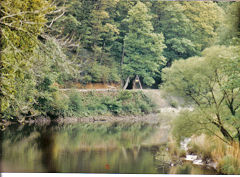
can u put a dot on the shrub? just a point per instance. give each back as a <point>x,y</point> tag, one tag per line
<point>75,103</point>
<point>145,108</point>
<point>182,153</point>
<point>230,165</point>
<point>56,106</point>
<point>173,104</point>
<point>228,158</point>
<point>113,105</point>
<point>84,104</point>
<point>131,109</point>
<point>96,72</point>
<point>124,95</point>
<point>202,146</point>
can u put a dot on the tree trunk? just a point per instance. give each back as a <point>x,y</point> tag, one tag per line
<point>226,134</point>
<point>123,52</point>
<point>238,134</point>
<point>101,57</point>
<point>121,64</point>
<point>126,83</point>
<point>1,75</point>
<point>1,140</point>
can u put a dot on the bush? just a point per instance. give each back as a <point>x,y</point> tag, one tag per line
<point>173,104</point>
<point>59,107</point>
<point>131,109</point>
<point>202,146</point>
<point>75,105</point>
<point>228,158</point>
<point>124,95</point>
<point>113,105</point>
<point>230,165</point>
<point>54,105</point>
<point>82,104</point>
<point>96,72</point>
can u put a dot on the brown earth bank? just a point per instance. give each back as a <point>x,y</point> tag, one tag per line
<point>148,118</point>
<point>78,85</point>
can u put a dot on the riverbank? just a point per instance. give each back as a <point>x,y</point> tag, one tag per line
<point>75,106</point>
<point>152,118</point>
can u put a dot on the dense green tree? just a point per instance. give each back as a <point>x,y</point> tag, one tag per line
<point>87,32</point>
<point>21,21</point>
<point>188,27</point>
<point>119,14</point>
<point>143,47</point>
<point>229,29</point>
<point>211,83</point>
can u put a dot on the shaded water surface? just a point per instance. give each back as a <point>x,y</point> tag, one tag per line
<point>88,148</point>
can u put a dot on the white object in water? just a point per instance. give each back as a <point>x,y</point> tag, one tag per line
<point>191,157</point>
<point>185,143</point>
<point>213,165</point>
<point>198,162</point>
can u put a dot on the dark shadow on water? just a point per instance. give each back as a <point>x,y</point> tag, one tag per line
<point>47,146</point>
<point>1,140</point>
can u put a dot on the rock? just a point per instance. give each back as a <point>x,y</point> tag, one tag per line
<point>191,157</point>
<point>198,162</point>
<point>185,143</point>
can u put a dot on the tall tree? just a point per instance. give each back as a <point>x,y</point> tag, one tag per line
<point>87,32</point>
<point>188,27</point>
<point>229,30</point>
<point>21,21</point>
<point>208,82</point>
<point>143,47</point>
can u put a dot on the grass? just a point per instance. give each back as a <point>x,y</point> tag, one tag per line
<point>174,149</point>
<point>228,158</point>
<point>200,145</point>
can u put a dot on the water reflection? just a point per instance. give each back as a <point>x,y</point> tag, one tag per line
<point>1,140</point>
<point>85,148</point>
<point>47,144</point>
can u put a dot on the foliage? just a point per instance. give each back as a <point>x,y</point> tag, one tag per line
<point>20,23</point>
<point>143,47</point>
<point>87,32</point>
<point>211,148</point>
<point>37,92</point>
<point>93,104</point>
<point>229,29</point>
<point>227,157</point>
<point>46,43</point>
<point>207,83</point>
<point>97,73</point>
<point>187,31</point>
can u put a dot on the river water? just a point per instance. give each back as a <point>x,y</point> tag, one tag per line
<point>89,148</point>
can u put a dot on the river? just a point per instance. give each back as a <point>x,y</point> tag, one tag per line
<point>100,147</point>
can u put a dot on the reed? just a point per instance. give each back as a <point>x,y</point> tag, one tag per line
<point>226,156</point>
<point>228,159</point>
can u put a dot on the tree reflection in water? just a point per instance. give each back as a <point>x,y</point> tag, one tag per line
<point>47,146</point>
<point>84,148</point>
<point>1,140</point>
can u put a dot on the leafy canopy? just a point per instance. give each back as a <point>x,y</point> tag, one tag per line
<point>143,47</point>
<point>211,83</point>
